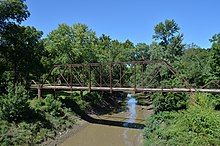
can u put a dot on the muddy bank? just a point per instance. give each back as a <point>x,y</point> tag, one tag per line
<point>116,129</point>
<point>80,124</point>
<point>122,128</point>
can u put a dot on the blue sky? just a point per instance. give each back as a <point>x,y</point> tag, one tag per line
<point>129,19</point>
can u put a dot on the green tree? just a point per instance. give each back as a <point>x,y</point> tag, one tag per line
<point>215,56</point>
<point>71,44</point>
<point>20,47</point>
<point>103,48</point>
<point>121,51</point>
<point>12,11</point>
<point>155,51</point>
<point>170,40</point>
<point>141,52</point>
<point>194,66</point>
<point>114,51</point>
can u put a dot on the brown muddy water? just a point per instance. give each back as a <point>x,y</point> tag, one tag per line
<point>118,129</point>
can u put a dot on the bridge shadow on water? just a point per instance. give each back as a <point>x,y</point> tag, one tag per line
<point>83,115</point>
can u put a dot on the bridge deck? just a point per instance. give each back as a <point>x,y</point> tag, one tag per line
<point>127,89</point>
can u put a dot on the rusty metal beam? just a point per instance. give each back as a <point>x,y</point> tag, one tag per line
<point>110,78</point>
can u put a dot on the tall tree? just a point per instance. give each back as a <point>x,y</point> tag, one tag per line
<point>112,50</point>
<point>103,47</point>
<point>141,52</point>
<point>215,56</point>
<point>194,65</point>
<point>71,44</point>
<point>170,40</point>
<point>12,11</point>
<point>20,47</point>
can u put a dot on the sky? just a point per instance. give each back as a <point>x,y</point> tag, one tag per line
<point>132,20</point>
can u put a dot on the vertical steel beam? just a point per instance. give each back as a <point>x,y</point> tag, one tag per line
<point>100,75</point>
<point>110,77</point>
<point>121,74</point>
<point>71,76</point>
<point>135,84</point>
<point>89,66</point>
<point>83,75</point>
<point>142,72</point>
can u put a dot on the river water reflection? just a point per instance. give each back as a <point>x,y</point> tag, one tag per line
<point>107,135</point>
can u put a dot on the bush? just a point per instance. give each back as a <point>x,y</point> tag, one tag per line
<point>170,101</point>
<point>54,111</point>
<point>198,125</point>
<point>14,105</point>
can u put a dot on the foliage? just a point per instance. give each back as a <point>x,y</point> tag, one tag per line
<point>20,46</point>
<point>109,50</point>
<point>170,40</point>
<point>198,125</point>
<point>70,44</point>
<point>215,57</point>
<point>29,122</point>
<point>194,66</point>
<point>83,104</point>
<point>54,111</point>
<point>14,10</point>
<point>141,52</point>
<point>13,105</point>
<point>169,101</point>
<point>22,51</point>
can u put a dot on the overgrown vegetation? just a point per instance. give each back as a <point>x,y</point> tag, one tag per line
<point>30,121</point>
<point>26,121</point>
<point>170,101</point>
<point>198,125</point>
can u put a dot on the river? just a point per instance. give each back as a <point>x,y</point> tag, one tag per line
<point>122,129</point>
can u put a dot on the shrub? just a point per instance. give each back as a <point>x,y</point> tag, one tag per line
<point>198,125</point>
<point>14,105</point>
<point>169,101</point>
<point>54,111</point>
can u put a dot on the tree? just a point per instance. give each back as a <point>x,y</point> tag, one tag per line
<point>170,40</point>
<point>141,52</point>
<point>20,47</point>
<point>114,51</point>
<point>121,51</point>
<point>71,44</point>
<point>103,47</point>
<point>194,65</point>
<point>12,11</point>
<point>215,56</point>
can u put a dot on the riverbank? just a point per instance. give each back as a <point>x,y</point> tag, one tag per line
<point>82,124</point>
<point>110,129</point>
<point>59,139</point>
<point>82,107</point>
<point>95,123</point>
